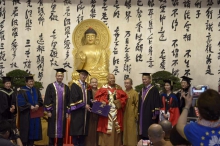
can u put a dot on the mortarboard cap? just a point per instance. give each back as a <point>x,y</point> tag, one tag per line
<point>60,70</point>
<point>169,81</point>
<point>82,70</point>
<point>187,79</point>
<point>6,79</point>
<point>146,74</point>
<point>29,77</point>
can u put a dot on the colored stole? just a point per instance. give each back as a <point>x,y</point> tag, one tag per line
<point>60,115</point>
<point>84,91</point>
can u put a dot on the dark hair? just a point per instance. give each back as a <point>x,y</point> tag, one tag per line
<point>208,105</point>
<point>176,138</point>
<point>26,80</point>
<point>4,126</point>
<point>90,30</point>
<point>171,87</point>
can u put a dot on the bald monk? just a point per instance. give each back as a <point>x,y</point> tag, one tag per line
<point>110,128</point>
<point>156,135</point>
<point>167,127</point>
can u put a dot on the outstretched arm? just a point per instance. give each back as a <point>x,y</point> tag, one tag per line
<point>182,121</point>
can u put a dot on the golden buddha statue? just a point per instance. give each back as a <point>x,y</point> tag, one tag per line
<point>91,54</point>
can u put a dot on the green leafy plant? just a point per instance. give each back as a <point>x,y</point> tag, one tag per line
<point>157,80</point>
<point>18,79</point>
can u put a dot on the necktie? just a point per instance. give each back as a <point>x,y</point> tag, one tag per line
<point>84,92</point>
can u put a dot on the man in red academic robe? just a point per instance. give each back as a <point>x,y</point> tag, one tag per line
<point>111,127</point>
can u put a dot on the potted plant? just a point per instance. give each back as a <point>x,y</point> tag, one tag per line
<point>157,81</point>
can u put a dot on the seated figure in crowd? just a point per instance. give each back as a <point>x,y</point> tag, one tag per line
<point>206,130</point>
<point>167,127</point>
<point>169,104</point>
<point>6,134</point>
<point>156,135</point>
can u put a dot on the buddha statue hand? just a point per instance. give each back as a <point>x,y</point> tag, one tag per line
<point>80,60</point>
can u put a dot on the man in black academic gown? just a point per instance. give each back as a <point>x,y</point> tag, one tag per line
<point>148,107</point>
<point>80,96</point>
<point>185,84</point>
<point>56,103</point>
<point>8,101</point>
<point>29,99</point>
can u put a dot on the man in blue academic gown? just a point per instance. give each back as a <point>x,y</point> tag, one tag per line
<point>29,99</point>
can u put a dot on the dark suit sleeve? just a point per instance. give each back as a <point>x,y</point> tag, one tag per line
<point>40,100</point>
<point>76,97</point>
<point>157,101</point>
<point>67,90</point>
<point>48,100</point>
<point>23,105</point>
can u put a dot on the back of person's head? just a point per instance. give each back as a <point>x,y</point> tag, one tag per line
<point>176,138</point>
<point>167,127</point>
<point>209,105</point>
<point>4,126</point>
<point>155,133</point>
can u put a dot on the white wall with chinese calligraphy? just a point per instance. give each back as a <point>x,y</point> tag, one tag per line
<point>179,36</point>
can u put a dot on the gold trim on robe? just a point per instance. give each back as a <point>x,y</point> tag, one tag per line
<point>7,92</point>
<point>112,116</point>
<point>56,109</point>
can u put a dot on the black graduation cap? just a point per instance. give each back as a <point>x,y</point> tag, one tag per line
<point>82,70</point>
<point>29,77</point>
<point>169,81</point>
<point>60,70</point>
<point>187,79</point>
<point>146,74</point>
<point>6,79</point>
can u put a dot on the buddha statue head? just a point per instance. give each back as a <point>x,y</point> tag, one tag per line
<point>90,36</point>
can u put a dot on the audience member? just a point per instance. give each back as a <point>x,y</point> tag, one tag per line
<point>156,135</point>
<point>7,134</point>
<point>206,130</point>
<point>176,139</point>
<point>167,127</point>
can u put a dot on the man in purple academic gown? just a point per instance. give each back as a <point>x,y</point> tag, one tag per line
<point>56,104</point>
<point>80,96</point>
<point>148,107</point>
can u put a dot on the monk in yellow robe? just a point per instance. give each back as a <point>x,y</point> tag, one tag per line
<point>130,115</point>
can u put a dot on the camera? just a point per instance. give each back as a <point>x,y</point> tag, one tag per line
<point>13,131</point>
